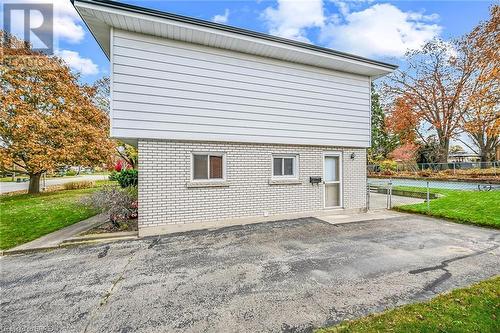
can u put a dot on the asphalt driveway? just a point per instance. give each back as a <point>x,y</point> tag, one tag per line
<point>285,276</point>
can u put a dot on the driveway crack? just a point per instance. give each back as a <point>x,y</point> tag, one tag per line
<point>444,267</point>
<point>105,297</point>
<point>321,308</point>
<point>154,242</point>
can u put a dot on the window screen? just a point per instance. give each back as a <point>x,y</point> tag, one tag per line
<point>200,170</point>
<point>277,167</point>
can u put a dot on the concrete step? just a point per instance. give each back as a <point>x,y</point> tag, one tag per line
<point>75,242</point>
<point>102,237</point>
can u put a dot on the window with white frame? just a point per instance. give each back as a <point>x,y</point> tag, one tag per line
<point>285,166</point>
<point>208,166</point>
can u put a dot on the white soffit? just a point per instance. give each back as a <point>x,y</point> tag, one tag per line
<point>101,15</point>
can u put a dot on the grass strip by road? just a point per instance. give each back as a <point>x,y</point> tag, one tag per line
<point>9,179</point>
<point>26,178</point>
<point>472,309</point>
<point>25,217</point>
<point>470,207</point>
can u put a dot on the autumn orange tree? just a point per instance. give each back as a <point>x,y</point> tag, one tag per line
<point>47,118</point>
<point>403,121</point>
<point>439,87</point>
<point>482,120</point>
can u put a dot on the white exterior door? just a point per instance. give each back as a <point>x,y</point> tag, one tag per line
<point>333,180</point>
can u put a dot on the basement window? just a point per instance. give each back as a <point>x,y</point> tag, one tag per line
<point>285,166</point>
<point>209,166</point>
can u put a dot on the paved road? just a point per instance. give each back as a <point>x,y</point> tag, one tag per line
<point>6,187</point>
<point>287,276</point>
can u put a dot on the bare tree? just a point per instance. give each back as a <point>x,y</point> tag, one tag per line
<point>430,90</point>
<point>449,88</point>
<point>482,120</point>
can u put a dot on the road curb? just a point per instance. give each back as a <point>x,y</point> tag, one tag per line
<point>68,244</point>
<point>27,251</point>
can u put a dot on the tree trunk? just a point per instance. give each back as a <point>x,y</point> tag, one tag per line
<point>484,159</point>
<point>483,150</point>
<point>34,186</point>
<point>444,146</point>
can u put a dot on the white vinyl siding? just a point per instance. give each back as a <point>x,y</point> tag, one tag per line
<point>165,89</point>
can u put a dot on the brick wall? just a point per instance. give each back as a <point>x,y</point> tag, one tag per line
<point>166,194</point>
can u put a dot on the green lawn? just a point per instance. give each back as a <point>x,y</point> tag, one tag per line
<point>9,179</point>
<point>25,217</point>
<point>473,309</point>
<point>472,207</point>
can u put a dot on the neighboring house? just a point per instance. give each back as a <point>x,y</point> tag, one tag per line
<point>233,125</point>
<point>463,157</point>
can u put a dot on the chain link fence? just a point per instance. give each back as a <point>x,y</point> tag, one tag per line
<point>423,195</point>
<point>452,168</point>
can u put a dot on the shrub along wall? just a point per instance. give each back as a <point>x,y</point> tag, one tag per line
<point>127,178</point>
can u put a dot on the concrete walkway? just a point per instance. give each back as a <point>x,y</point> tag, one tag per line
<point>56,238</point>
<point>371,215</point>
<point>334,217</point>
<point>379,201</point>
